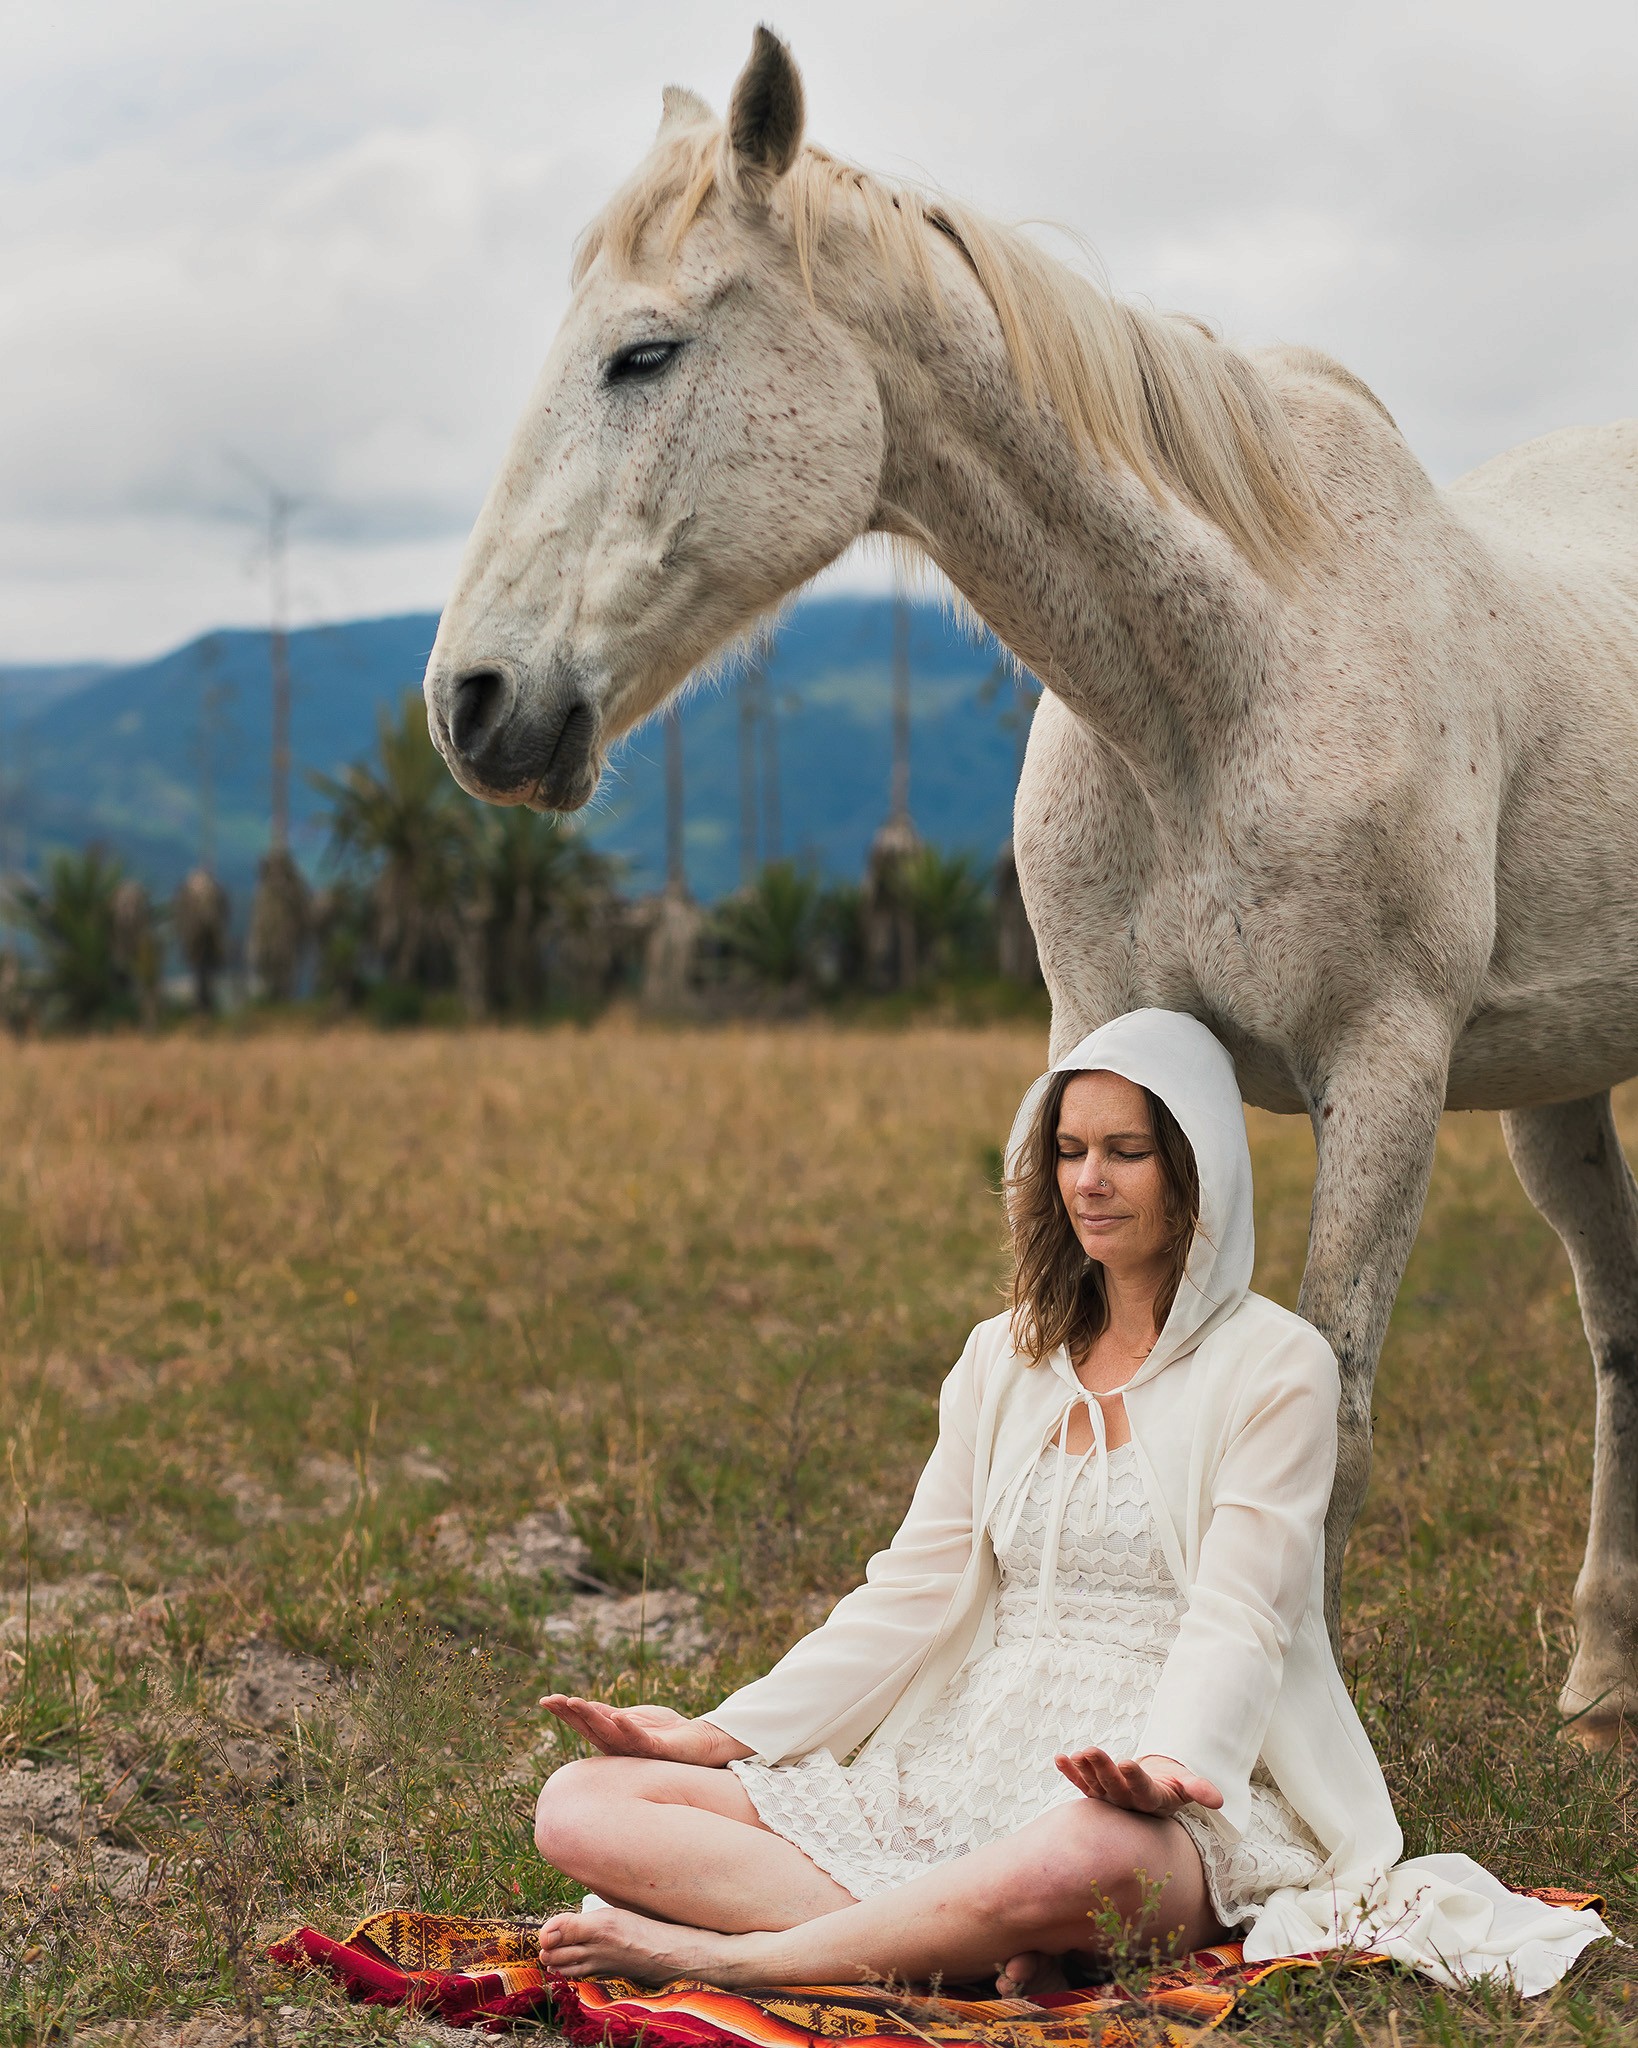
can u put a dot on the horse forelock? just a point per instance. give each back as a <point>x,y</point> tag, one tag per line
<point>1158,393</point>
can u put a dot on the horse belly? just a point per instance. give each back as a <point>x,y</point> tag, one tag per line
<point>1556,1013</point>
<point>1524,1046</point>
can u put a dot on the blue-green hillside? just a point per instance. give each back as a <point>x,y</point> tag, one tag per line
<point>119,755</point>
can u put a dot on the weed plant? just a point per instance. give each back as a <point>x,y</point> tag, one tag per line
<point>292,1323</point>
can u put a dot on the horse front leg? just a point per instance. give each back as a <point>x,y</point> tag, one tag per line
<point>1570,1161</point>
<point>1375,1113</point>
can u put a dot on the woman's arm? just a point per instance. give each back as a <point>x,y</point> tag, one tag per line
<point>1255,1575</point>
<point>834,1686</point>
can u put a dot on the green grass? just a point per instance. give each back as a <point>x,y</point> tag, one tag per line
<point>277,1311</point>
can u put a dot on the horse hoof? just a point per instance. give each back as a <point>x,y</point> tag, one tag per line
<point>1600,1733</point>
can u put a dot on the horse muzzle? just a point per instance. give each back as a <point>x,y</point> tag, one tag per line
<point>510,740</point>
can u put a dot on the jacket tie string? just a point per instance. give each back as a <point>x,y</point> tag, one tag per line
<point>1067,1468</point>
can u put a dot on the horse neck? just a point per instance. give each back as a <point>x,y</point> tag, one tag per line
<point>1139,615</point>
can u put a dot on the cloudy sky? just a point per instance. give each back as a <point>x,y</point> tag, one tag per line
<point>327,241</point>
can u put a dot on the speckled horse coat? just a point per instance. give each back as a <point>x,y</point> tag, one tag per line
<point>1343,764</point>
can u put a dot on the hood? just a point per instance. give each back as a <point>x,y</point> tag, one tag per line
<point>1178,1059</point>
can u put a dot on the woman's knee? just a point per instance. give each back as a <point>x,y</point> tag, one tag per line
<point>578,1803</point>
<point>1085,1869</point>
<point>571,1800</point>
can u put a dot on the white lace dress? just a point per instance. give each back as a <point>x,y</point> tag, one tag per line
<point>1086,1612</point>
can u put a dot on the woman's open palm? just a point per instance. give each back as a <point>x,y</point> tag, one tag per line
<point>1151,1784</point>
<point>644,1731</point>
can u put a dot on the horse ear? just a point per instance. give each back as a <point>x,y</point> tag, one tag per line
<point>683,109</point>
<point>764,119</point>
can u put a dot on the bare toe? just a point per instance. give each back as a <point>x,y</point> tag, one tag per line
<point>612,1942</point>
<point>1031,1974</point>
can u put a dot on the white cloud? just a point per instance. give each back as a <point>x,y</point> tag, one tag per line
<point>334,239</point>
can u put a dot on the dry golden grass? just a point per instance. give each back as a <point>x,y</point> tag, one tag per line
<point>272,1306</point>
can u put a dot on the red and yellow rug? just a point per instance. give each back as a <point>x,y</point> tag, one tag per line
<point>485,1973</point>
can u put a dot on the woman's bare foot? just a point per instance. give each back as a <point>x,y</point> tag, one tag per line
<point>1029,1974</point>
<point>614,1943</point>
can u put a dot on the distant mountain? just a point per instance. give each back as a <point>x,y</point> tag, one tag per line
<point>25,692</point>
<point>118,755</point>
<point>121,759</point>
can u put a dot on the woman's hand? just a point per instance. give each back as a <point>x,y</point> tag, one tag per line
<point>645,1731</point>
<point>1150,1784</point>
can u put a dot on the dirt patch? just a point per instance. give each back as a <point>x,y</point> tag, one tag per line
<point>666,1624</point>
<point>423,1468</point>
<point>46,1610</point>
<point>294,2025</point>
<point>256,1505</point>
<point>98,1605</point>
<point>46,1833</point>
<point>334,1478</point>
<point>540,1546</point>
<point>271,1685</point>
<point>204,2030</point>
<point>268,1689</point>
<point>543,1545</point>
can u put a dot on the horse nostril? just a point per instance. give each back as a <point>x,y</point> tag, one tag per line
<point>479,702</point>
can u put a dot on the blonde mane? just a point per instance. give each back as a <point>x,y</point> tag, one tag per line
<point>1157,394</point>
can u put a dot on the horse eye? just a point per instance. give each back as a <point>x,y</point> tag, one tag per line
<point>642,359</point>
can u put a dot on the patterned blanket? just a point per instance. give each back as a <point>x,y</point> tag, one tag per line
<point>485,1973</point>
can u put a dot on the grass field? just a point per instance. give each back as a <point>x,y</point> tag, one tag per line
<point>305,1341</point>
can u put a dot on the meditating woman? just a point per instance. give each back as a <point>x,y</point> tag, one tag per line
<point>1090,1674</point>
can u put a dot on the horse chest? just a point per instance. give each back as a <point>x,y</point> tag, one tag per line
<point>1121,926</point>
<point>1179,942</point>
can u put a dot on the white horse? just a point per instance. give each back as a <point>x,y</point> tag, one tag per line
<point>1343,764</point>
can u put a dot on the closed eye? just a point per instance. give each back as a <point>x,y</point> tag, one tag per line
<point>639,361</point>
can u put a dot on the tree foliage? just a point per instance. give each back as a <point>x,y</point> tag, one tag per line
<point>771,929</point>
<point>458,893</point>
<point>71,918</point>
<point>433,898</point>
<point>541,893</point>
<point>949,899</point>
<point>402,819</point>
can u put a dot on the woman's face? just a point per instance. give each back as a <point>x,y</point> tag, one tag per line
<point>1109,1173</point>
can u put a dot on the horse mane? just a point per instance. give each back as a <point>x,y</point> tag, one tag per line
<point>1157,393</point>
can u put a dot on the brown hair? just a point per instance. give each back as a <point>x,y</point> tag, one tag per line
<point>1058,1294</point>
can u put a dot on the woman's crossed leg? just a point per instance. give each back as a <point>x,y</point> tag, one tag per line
<point>678,1842</point>
<point>698,1887</point>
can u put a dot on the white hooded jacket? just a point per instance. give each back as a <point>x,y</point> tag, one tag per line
<point>1233,1423</point>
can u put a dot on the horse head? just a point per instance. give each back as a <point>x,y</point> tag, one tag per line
<point>703,438</point>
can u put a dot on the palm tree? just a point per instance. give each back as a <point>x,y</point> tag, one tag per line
<point>138,947</point>
<point>71,919</point>
<point>280,924</point>
<point>539,884</point>
<point>404,821</point>
<point>201,918</point>
<point>773,926</point>
<point>16,998</point>
<point>947,898</point>
<point>839,956</point>
<point>341,936</point>
<point>891,936</point>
